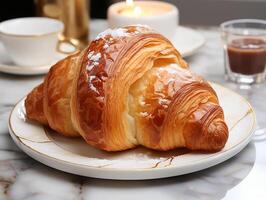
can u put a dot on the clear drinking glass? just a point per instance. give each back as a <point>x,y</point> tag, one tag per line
<point>244,50</point>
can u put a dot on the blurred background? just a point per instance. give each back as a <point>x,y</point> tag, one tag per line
<point>192,12</point>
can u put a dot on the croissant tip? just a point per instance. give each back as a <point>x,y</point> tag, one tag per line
<point>212,138</point>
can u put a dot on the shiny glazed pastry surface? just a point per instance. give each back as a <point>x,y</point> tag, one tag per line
<point>130,87</point>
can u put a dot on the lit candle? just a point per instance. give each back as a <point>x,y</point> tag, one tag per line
<point>161,16</point>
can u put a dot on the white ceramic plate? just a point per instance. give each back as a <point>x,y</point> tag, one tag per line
<point>75,156</point>
<point>8,66</point>
<point>187,41</point>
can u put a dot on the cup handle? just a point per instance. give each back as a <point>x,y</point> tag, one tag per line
<point>73,45</point>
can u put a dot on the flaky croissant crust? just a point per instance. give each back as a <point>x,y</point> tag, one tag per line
<point>130,87</point>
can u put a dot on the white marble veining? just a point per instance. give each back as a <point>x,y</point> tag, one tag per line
<point>242,177</point>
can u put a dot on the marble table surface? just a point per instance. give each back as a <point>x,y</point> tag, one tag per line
<point>241,177</point>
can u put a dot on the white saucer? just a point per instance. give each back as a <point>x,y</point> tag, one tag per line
<point>75,156</point>
<point>7,65</point>
<point>187,41</point>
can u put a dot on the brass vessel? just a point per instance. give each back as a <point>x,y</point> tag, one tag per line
<point>74,15</point>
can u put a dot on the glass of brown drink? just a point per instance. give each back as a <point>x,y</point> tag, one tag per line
<point>244,50</point>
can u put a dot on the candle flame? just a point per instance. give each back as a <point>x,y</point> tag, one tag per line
<point>135,10</point>
<point>130,3</point>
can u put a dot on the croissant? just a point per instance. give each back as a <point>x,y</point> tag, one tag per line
<point>129,87</point>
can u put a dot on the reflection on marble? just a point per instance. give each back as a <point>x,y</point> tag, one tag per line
<point>212,183</point>
<point>242,177</point>
<point>34,181</point>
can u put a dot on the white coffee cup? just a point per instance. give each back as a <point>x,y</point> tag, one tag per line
<point>31,41</point>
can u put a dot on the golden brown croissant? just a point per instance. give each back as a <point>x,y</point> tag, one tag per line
<point>130,87</point>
